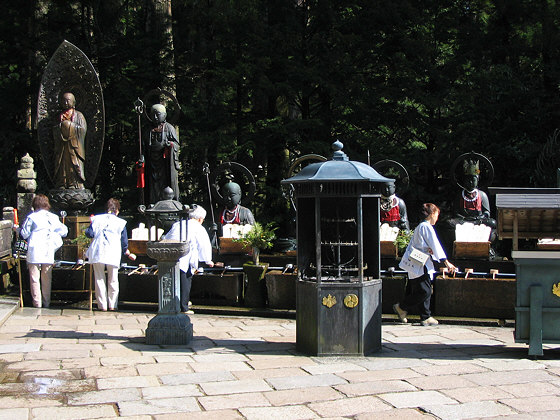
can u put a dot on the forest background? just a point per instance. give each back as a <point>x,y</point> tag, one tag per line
<point>262,82</point>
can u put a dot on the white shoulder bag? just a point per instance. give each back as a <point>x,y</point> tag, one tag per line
<point>417,259</point>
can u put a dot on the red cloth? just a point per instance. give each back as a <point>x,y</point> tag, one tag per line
<point>473,205</point>
<point>393,215</point>
<point>140,181</point>
<point>67,115</point>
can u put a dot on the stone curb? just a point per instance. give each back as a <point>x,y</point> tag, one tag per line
<point>7,307</point>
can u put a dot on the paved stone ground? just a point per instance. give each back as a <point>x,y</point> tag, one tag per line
<point>75,364</point>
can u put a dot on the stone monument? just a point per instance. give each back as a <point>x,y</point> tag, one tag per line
<point>26,186</point>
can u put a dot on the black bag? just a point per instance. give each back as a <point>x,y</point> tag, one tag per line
<point>20,246</point>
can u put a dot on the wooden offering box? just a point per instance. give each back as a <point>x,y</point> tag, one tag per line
<point>471,249</point>
<point>228,246</point>
<point>388,249</point>
<point>137,247</point>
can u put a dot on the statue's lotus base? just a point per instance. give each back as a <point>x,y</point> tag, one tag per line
<point>71,200</point>
<point>169,329</point>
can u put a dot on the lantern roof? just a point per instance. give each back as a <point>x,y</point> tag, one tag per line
<point>339,169</point>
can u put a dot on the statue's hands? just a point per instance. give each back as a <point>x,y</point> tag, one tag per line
<point>65,127</point>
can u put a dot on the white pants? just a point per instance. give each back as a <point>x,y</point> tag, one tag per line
<point>42,272</point>
<point>106,301</point>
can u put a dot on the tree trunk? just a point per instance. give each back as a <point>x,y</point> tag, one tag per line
<point>160,25</point>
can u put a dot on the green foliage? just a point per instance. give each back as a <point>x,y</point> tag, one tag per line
<point>402,240</point>
<point>260,237</point>
<point>82,240</point>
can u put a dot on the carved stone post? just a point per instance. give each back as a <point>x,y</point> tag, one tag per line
<point>169,326</point>
<point>26,186</point>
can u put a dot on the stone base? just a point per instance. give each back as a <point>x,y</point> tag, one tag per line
<point>6,237</point>
<point>169,329</point>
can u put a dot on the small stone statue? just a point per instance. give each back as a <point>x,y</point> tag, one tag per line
<point>234,213</point>
<point>472,205</point>
<point>69,145</point>
<point>393,208</point>
<point>162,156</point>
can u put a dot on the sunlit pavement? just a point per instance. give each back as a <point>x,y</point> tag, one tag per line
<point>76,364</point>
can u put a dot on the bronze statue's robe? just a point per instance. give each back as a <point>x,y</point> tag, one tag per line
<point>162,163</point>
<point>69,150</point>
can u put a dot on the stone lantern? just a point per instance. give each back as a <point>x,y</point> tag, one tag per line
<point>339,287</point>
<point>169,326</point>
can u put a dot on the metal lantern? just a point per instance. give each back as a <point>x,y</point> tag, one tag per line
<point>169,326</point>
<point>339,285</point>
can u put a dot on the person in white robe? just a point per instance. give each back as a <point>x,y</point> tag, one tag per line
<point>110,242</point>
<point>43,232</point>
<point>419,285</point>
<point>200,249</point>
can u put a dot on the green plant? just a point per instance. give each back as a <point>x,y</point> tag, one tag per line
<point>81,240</point>
<point>402,240</point>
<point>258,238</point>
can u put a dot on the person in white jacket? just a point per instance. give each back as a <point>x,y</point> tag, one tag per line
<point>200,249</point>
<point>43,232</point>
<point>110,242</point>
<point>419,286</point>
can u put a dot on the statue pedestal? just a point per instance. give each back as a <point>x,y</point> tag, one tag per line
<point>169,326</point>
<point>73,201</point>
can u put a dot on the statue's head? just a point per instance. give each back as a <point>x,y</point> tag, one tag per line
<point>67,101</point>
<point>231,193</point>
<point>388,189</point>
<point>471,174</point>
<point>159,113</point>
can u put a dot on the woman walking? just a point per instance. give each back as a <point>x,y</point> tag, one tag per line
<point>110,242</point>
<point>419,286</point>
<point>43,232</point>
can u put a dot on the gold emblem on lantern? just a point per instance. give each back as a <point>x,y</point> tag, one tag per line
<point>556,289</point>
<point>329,301</point>
<point>351,301</point>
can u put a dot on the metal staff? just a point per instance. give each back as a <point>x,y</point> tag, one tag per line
<point>140,164</point>
<point>214,228</point>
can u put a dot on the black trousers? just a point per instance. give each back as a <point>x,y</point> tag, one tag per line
<point>417,296</point>
<point>185,283</point>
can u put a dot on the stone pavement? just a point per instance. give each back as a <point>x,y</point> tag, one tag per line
<point>75,364</point>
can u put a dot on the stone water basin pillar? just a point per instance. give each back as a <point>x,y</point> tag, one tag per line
<point>169,326</point>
